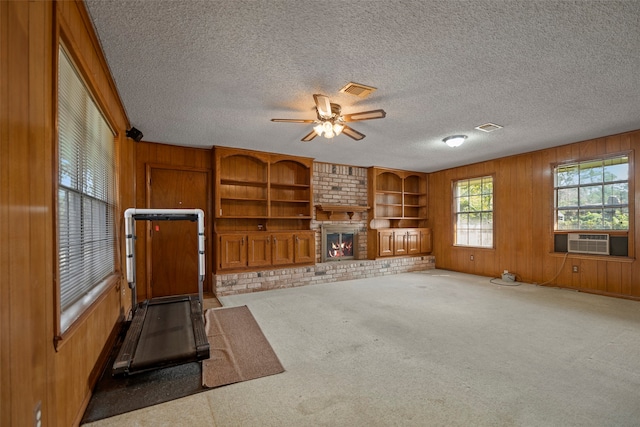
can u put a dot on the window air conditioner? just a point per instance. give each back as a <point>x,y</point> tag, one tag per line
<point>597,244</point>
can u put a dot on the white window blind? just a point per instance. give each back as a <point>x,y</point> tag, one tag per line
<point>85,195</point>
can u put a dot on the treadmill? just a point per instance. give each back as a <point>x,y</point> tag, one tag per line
<point>165,331</point>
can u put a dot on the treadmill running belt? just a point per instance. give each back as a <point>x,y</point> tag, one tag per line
<point>167,336</point>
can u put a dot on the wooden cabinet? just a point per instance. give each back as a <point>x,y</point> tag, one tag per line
<point>258,249</point>
<point>263,249</point>
<point>398,201</point>
<point>385,243</point>
<point>413,242</point>
<point>262,204</point>
<point>305,247</point>
<point>425,240</point>
<point>402,241</point>
<point>399,242</point>
<point>232,251</point>
<point>282,245</point>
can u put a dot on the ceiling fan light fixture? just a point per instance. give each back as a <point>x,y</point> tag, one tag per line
<point>331,122</point>
<point>454,140</point>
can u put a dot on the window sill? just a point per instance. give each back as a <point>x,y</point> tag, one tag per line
<point>102,290</point>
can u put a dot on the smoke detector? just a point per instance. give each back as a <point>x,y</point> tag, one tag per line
<point>358,89</point>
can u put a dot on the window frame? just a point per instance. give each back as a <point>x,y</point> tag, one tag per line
<point>456,212</point>
<point>577,162</point>
<point>66,323</point>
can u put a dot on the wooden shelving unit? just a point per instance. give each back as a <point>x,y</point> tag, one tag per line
<point>263,209</point>
<point>398,202</point>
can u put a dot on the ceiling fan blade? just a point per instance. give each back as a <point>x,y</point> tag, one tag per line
<point>323,105</point>
<point>365,115</point>
<point>292,121</point>
<point>310,136</point>
<point>352,133</point>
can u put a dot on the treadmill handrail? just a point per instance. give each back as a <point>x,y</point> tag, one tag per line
<point>164,214</point>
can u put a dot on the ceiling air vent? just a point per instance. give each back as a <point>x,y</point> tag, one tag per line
<point>488,127</point>
<point>357,89</point>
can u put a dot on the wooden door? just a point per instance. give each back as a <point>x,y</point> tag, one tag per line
<point>282,248</point>
<point>425,240</point>
<point>385,243</point>
<point>413,242</point>
<point>305,247</point>
<point>232,250</point>
<point>173,250</point>
<point>400,242</point>
<point>259,249</point>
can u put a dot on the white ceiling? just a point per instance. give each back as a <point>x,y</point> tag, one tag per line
<point>204,73</point>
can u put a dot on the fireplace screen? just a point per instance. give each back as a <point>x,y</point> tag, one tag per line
<point>338,244</point>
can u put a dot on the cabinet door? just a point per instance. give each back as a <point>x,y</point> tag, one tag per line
<point>259,249</point>
<point>385,243</point>
<point>282,248</point>
<point>425,240</point>
<point>400,242</point>
<point>305,248</point>
<point>413,242</point>
<point>233,251</point>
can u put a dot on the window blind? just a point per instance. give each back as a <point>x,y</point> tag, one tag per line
<point>85,194</point>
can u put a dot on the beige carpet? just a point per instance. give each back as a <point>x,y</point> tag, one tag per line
<point>239,349</point>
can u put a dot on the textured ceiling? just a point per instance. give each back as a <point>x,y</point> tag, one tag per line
<point>204,73</point>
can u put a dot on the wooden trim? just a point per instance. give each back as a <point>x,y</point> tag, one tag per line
<point>324,212</point>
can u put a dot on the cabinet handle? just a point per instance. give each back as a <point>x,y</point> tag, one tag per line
<point>268,240</point>
<point>242,241</point>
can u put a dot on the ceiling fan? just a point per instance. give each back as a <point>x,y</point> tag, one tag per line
<point>331,121</point>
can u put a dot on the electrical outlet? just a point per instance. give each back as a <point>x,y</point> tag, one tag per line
<point>575,268</point>
<point>470,257</point>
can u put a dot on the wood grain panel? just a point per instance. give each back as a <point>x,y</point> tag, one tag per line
<point>167,156</point>
<point>31,371</point>
<point>174,244</point>
<point>523,221</point>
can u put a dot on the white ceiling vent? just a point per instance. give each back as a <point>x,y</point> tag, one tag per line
<point>488,127</point>
<point>357,89</point>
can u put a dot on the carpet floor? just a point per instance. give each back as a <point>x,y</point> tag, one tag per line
<point>433,348</point>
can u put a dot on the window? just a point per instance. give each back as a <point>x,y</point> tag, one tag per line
<point>592,195</point>
<point>85,195</point>
<point>473,210</point>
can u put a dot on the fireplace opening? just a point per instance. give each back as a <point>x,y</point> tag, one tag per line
<point>339,243</point>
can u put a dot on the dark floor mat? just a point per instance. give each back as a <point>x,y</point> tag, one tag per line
<point>114,396</point>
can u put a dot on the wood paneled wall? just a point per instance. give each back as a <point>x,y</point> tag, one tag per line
<point>523,221</point>
<point>168,156</point>
<point>32,372</point>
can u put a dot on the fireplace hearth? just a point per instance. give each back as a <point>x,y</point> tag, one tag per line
<point>339,243</point>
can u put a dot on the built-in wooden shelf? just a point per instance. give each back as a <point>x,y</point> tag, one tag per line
<point>327,211</point>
